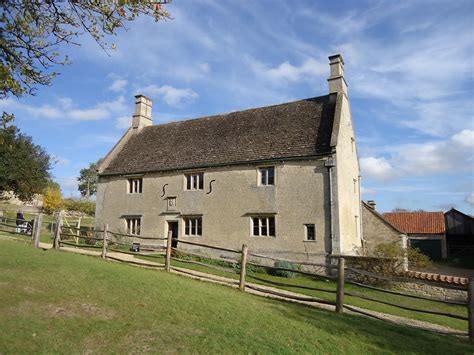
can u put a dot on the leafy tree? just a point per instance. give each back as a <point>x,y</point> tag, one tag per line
<point>52,199</point>
<point>24,167</point>
<point>78,205</point>
<point>88,179</point>
<point>32,32</point>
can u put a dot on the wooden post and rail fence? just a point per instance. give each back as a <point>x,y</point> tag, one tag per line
<point>240,265</point>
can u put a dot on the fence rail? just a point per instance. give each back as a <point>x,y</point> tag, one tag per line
<point>240,267</point>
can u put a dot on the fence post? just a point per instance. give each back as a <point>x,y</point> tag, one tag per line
<point>78,232</point>
<point>243,267</point>
<point>57,231</point>
<point>37,230</point>
<point>168,252</point>
<point>470,309</point>
<point>340,286</point>
<point>104,241</point>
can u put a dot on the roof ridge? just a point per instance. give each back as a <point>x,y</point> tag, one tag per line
<point>219,115</point>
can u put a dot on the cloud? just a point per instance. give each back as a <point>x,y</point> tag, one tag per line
<point>444,157</point>
<point>470,199</point>
<point>93,114</point>
<point>377,168</point>
<point>367,191</point>
<point>123,122</point>
<point>118,85</point>
<point>171,95</point>
<point>61,161</point>
<point>288,72</point>
<point>94,140</point>
<point>66,108</point>
<point>465,138</point>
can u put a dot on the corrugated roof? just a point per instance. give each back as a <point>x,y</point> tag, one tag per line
<point>296,129</point>
<point>417,222</point>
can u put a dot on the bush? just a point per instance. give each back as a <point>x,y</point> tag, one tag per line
<point>83,206</point>
<point>284,265</point>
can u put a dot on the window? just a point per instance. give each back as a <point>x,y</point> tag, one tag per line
<point>263,226</point>
<point>195,181</point>
<point>133,225</point>
<point>267,175</point>
<point>193,227</point>
<point>135,186</point>
<point>310,232</point>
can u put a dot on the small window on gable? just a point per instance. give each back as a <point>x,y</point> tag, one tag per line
<point>310,232</point>
<point>263,226</point>
<point>193,227</point>
<point>195,181</point>
<point>133,225</point>
<point>267,175</point>
<point>135,185</point>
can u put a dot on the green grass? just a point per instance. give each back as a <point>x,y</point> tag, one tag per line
<point>306,281</point>
<point>57,302</point>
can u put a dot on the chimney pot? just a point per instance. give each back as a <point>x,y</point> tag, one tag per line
<point>371,204</point>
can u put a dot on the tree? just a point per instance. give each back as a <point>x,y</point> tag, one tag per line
<point>88,179</point>
<point>52,199</point>
<point>24,167</point>
<point>32,32</point>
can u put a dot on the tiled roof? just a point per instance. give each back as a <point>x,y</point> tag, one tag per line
<point>417,222</point>
<point>296,129</point>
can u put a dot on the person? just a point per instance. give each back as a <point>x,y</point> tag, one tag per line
<point>20,219</point>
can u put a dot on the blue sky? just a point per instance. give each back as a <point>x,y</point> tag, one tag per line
<point>409,66</point>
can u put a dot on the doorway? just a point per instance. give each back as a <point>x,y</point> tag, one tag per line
<point>173,227</point>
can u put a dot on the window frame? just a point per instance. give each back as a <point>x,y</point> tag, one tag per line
<point>194,181</point>
<point>264,230</point>
<point>132,224</point>
<point>264,176</point>
<point>307,226</point>
<point>192,222</point>
<point>134,185</point>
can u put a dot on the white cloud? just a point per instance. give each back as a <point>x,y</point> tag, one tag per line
<point>465,138</point>
<point>93,114</point>
<point>470,199</point>
<point>450,156</point>
<point>377,168</point>
<point>61,161</point>
<point>123,122</point>
<point>367,191</point>
<point>288,72</point>
<point>171,95</point>
<point>118,85</point>
<point>205,67</point>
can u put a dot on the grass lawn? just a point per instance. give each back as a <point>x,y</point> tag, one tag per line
<point>54,301</point>
<point>306,281</point>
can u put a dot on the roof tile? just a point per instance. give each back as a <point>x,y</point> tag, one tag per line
<point>417,222</point>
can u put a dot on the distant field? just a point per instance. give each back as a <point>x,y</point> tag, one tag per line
<point>54,301</point>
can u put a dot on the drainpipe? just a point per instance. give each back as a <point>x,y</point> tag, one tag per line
<point>329,163</point>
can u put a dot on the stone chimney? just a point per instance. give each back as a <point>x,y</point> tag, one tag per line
<point>142,116</point>
<point>336,81</point>
<point>371,204</point>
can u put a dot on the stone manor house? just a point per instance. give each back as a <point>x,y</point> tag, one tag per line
<point>283,179</point>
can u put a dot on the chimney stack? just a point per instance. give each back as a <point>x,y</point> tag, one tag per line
<point>371,204</point>
<point>142,116</point>
<point>336,81</point>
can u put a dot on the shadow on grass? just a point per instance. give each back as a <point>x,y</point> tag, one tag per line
<point>383,336</point>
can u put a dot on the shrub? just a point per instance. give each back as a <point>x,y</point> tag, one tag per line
<point>284,265</point>
<point>78,205</point>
